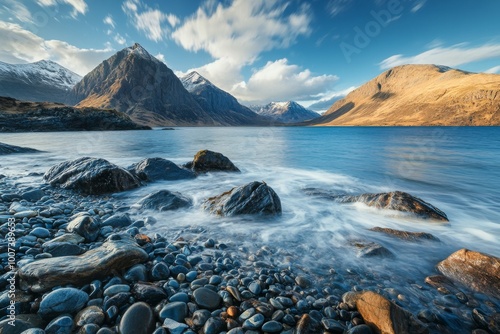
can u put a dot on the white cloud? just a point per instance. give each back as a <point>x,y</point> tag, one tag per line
<point>280,81</point>
<point>335,7</point>
<point>120,39</point>
<point>495,69</point>
<point>79,6</point>
<point>329,98</point>
<point>418,6</point>
<point>109,21</point>
<point>243,29</point>
<point>22,46</point>
<point>451,56</point>
<point>161,57</point>
<point>150,21</point>
<point>17,10</point>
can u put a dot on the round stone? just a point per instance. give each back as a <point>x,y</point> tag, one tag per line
<point>255,288</point>
<point>138,319</point>
<point>200,317</point>
<point>90,315</point>
<point>65,300</point>
<point>60,325</point>
<point>176,311</point>
<point>206,298</point>
<point>115,289</point>
<point>255,322</point>
<point>40,232</point>
<point>272,327</point>
<point>361,329</point>
<point>160,271</point>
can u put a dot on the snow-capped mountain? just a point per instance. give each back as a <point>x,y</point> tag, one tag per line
<point>43,80</point>
<point>220,105</point>
<point>285,112</point>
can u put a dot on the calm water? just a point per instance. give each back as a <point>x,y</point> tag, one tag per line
<point>456,169</point>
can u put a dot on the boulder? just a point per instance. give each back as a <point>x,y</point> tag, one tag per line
<point>163,200</point>
<point>85,226</point>
<point>91,176</point>
<point>405,235</point>
<point>112,256</point>
<point>9,149</point>
<point>385,317</point>
<point>478,271</point>
<point>153,169</point>
<point>370,249</point>
<point>118,220</point>
<point>252,198</point>
<point>208,161</point>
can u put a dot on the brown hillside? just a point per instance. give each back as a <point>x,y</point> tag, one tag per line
<point>414,95</point>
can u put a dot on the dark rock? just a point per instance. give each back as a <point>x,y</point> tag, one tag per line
<point>206,298</point>
<point>149,293</point>
<point>478,271</point>
<point>91,176</point>
<point>408,236</point>
<point>118,220</point>
<point>494,323</point>
<point>136,273</point>
<point>20,326</point>
<point>371,249</point>
<point>90,315</point>
<point>213,326</point>
<point>174,327</point>
<point>84,226</point>
<point>361,329</point>
<point>304,326</point>
<point>10,149</point>
<point>252,198</point>
<point>60,325</point>
<point>99,262</point>
<point>40,232</point>
<point>63,249</point>
<point>138,319</point>
<point>208,161</point>
<point>160,271</point>
<point>33,195</point>
<point>333,326</point>
<point>64,300</point>
<point>33,331</point>
<point>176,311</point>
<point>163,200</point>
<point>254,322</point>
<point>200,317</point>
<point>153,169</point>
<point>272,327</point>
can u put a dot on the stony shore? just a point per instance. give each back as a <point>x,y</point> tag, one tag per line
<point>84,264</point>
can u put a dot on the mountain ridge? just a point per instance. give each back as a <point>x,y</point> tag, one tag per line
<point>285,112</point>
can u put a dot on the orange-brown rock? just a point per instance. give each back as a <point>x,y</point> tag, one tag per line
<point>478,271</point>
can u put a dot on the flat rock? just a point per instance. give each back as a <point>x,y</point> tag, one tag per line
<point>163,200</point>
<point>208,161</point>
<point>10,149</point>
<point>63,249</point>
<point>118,220</point>
<point>113,255</point>
<point>386,317</point>
<point>252,198</point>
<point>91,176</point>
<point>61,301</point>
<point>154,169</point>
<point>138,319</point>
<point>478,271</point>
<point>371,249</point>
<point>405,235</point>
<point>206,298</point>
<point>67,237</point>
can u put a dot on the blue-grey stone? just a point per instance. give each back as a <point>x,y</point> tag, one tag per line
<point>137,319</point>
<point>176,311</point>
<point>64,300</point>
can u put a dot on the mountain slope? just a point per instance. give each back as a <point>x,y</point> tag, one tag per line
<point>220,105</point>
<point>413,95</point>
<point>44,80</point>
<point>136,83</point>
<point>285,112</point>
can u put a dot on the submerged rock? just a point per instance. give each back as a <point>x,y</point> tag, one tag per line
<point>371,249</point>
<point>113,255</point>
<point>208,161</point>
<point>10,149</point>
<point>91,176</point>
<point>478,271</point>
<point>405,235</point>
<point>153,169</point>
<point>163,200</point>
<point>385,316</point>
<point>252,198</point>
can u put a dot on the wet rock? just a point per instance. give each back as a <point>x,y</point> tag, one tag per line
<point>163,200</point>
<point>386,316</point>
<point>361,329</point>
<point>304,325</point>
<point>62,249</point>
<point>200,317</point>
<point>40,232</point>
<point>118,220</point>
<point>252,198</point>
<point>60,325</point>
<point>176,311</point>
<point>113,255</point>
<point>405,235</point>
<point>206,298</point>
<point>64,300</point>
<point>213,326</point>
<point>494,323</point>
<point>90,315</point>
<point>174,327</point>
<point>333,326</point>
<point>149,293</point>
<point>154,169</point>
<point>272,327</point>
<point>136,273</point>
<point>20,326</point>
<point>371,249</point>
<point>138,319</point>
<point>33,195</point>
<point>208,161</point>
<point>10,149</point>
<point>84,226</point>
<point>478,271</point>
<point>254,322</point>
<point>67,237</point>
<point>91,176</point>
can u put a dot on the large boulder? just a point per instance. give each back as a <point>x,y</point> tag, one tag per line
<point>252,198</point>
<point>208,161</point>
<point>163,200</point>
<point>91,176</point>
<point>405,235</point>
<point>153,169</point>
<point>9,149</point>
<point>112,256</point>
<point>385,317</point>
<point>478,271</point>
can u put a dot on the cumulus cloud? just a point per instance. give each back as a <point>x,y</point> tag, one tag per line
<point>450,56</point>
<point>149,21</point>
<point>160,57</point>
<point>22,46</point>
<point>330,98</point>
<point>79,6</point>
<point>16,10</point>
<point>280,81</point>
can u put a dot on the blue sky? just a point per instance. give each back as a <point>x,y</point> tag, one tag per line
<point>260,50</point>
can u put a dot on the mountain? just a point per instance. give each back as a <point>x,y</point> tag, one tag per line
<point>22,116</point>
<point>285,112</point>
<point>40,81</point>
<point>415,95</point>
<point>136,83</point>
<point>220,105</point>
